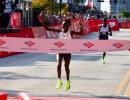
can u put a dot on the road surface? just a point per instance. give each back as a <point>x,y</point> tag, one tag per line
<point>36,73</point>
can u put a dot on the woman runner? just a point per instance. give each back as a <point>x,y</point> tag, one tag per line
<point>64,33</point>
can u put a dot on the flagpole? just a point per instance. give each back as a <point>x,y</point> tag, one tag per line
<point>60,7</point>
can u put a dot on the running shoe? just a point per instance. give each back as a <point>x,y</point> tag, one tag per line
<point>67,85</point>
<point>103,61</point>
<point>59,84</point>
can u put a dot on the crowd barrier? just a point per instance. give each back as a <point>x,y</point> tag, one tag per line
<point>3,96</point>
<point>39,32</point>
<point>88,26</point>
<point>113,24</point>
<point>86,29</point>
<point>125,25</point>
<point>26,33</point>
<point>94,25</point>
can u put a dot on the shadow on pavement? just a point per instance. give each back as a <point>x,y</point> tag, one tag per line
<point>29,60</point>
<point>15,76</point>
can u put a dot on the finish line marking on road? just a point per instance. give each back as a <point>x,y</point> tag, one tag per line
<point>33,45</point>
<point>124,86</point>
<point>63,98</point>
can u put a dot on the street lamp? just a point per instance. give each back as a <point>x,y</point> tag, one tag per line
<point>60,7</point>
<point>21,5</point>
<point>22,12</point>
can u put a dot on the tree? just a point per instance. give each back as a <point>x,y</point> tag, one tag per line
<point>39,3</point>
<point>49,5</point>
<point>125,14</point>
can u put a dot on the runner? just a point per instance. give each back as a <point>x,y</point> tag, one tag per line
<point>64,33</point>
<point>104,31</point>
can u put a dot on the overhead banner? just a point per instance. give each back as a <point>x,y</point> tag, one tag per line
<point>35,45</point>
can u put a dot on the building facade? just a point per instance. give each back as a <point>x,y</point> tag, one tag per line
<point>117,6</point>
<point>97,4</point>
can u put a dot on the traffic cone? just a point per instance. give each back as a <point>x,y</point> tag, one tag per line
<point>3,96</point>
<point>24,96</point>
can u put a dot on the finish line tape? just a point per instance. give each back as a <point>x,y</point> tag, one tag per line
<point>33,45</point>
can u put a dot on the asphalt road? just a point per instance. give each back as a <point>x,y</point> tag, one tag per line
<point>36,73</point>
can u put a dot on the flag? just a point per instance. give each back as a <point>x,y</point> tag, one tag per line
<point>89,3</point>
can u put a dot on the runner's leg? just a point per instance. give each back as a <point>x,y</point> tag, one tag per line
<point>67,59</point>
<point>59,60</point>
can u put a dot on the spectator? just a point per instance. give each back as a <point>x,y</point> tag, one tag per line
<point>119,21</point>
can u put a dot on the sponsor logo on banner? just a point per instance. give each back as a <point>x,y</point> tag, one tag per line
<point>88,44</point>
<point>112,24</point>
<point>29,43</point>
<point>29,46</point>
<point>59,44</point>
<point>118,45</point>
<point>2,42</point>
<point>1,45</point>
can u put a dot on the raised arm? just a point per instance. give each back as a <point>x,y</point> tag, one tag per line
<point>77,33</point>
<point>110,32</point>
<point>99,31</point>
<point>51,29</point>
